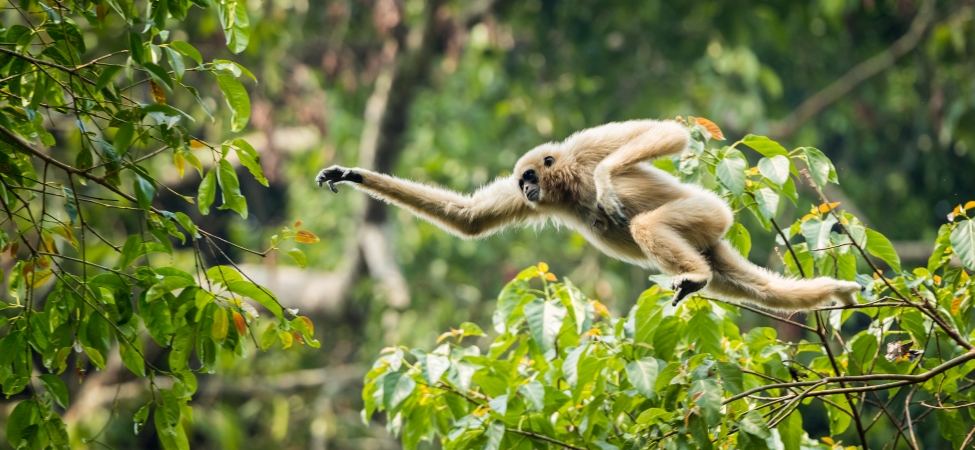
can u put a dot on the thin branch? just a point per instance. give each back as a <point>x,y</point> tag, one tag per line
<point>543,438</point>
<point>901,380</point>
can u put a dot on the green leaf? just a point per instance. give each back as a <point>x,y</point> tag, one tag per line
<point>250,159</point>
<point>230,189</point>
<point>96,357</point>
<point>172,437</point>
<point>221,324</point>
<point>963,242</point>
<point>123,138</point>
<point>258,294</point>
<point>397,387</point>
<point>698,429</point>
<point>731,377</point>
<point>144,191</point>
<point>298,256</point>
<point>768,202</point>
<point>731,173</point>
<point>237,99</point>
<point>140,418</point>
<point>434,367</point>
<point>879,246</point>
<point>544,321</point>
<point>740,238</point>
<point>471,329</point>
<point>776,168</point>
<point>176,62</point>
<point>160,75</point>
<point>223,275</point>
<point>187,224</point>
<point>765,146</point>
<point>135,47</point>
<point>666,337</point>
<point>167,285</point>
<point>106,77</point>
<point>495,434</point>
<point>187,50</point>
<point>131,352</point>
<point>207,192</point>
<point>790,430</point>
<point>816,231</point>
<point>642,375</point>
<point>131,250</point>
<point>236,25</point>
<point>753,424</point>
<point>839,420</point>
<point>534,391</point>
<point>57,388</point>
<point>20,421</point>
<point>820,166</point>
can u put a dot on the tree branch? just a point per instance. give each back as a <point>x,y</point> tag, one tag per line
<point>858,74</point>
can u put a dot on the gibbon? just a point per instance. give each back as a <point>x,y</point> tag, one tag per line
<point>598,183</point>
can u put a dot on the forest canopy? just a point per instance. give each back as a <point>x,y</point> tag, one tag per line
<point>172,277</point>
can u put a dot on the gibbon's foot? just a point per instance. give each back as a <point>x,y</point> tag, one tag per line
<point>684,286</point>
<point>336,174</point>
<point>611,205</point>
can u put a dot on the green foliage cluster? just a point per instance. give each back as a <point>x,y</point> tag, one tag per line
<point>75,297</point>
<point>561,372</point>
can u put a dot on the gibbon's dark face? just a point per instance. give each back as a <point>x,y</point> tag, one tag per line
<point>531,171</point>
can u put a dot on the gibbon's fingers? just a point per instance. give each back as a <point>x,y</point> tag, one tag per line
<point>610,204</point>
<point>335,174</point>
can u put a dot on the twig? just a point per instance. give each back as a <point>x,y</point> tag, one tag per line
<point>543,438</point>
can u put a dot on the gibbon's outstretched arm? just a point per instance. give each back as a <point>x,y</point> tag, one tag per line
<point>487,211</point>
<point>654,139</point>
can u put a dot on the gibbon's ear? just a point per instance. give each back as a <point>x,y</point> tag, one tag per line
<point>549,161</point>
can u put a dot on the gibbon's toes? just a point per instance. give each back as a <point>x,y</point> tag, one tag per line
<point>684,287</point>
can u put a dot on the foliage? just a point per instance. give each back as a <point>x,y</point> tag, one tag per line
<point>76,295</point>
<point>562,372</point>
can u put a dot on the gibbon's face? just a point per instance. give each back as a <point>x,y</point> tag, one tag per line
<point>532,171</point>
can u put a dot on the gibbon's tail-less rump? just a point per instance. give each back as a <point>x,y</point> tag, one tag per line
<point>736,277</point>
<point>598,183</point>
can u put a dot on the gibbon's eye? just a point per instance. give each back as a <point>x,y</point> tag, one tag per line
<point>530,176</point>
<point>549,161</point>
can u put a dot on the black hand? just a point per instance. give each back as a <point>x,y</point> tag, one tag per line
<point>335,174</point>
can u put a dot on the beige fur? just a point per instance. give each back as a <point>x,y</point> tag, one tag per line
<point>647,216</point>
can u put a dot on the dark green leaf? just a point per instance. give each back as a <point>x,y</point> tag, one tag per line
<point>230,189</point>
<point>57,388</point>
<point>144,191</point>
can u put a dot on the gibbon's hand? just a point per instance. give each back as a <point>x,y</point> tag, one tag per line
<point>606,199</point>
<point>335,174</point>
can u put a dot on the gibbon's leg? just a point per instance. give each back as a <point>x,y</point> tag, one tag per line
<point>659,139</point>
<point>490,208</point>
<point>675,235</point>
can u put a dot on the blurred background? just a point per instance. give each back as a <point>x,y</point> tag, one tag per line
<point>453,92</point>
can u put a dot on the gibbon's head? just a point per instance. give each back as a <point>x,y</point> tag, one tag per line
<point>536,172</point>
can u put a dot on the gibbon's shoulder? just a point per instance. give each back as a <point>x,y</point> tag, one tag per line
<point>612,133</point>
